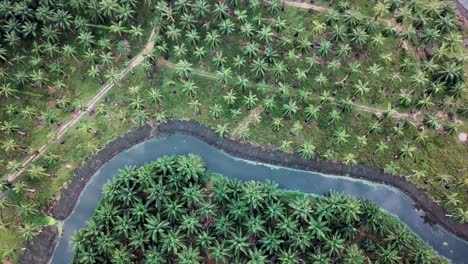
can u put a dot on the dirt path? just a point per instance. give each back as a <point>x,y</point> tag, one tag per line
<point>379,112</point>
<point>137,60</point>
<point>306,6</point>
<point>248,119</point>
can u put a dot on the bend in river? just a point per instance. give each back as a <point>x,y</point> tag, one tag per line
<point>388,198</point>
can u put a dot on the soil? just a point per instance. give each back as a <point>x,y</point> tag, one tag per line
<point>40,249</point>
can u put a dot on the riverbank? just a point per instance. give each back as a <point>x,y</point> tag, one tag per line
<point>69,195</point>
<point>434,212</point>
<point>40,249</point>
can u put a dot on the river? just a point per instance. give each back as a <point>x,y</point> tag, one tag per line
<point>388,198</point>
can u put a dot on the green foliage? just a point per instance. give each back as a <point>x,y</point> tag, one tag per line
<point>173,210</point>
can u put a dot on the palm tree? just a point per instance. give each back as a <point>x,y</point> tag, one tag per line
<point>29,231</point>
<point>6,90</point>
<point>213,39</point>
<point>307,150</point>
<point>36,172</point>
<point>319,257</point>
<point>334,116</point>
<point>286,146</point>
<point>251,100</point>
<point>224,75</point>
<point>296,128</point>
<point>311,112</point>
<point>358,36</point>
<point>388,255</point>
<point>334,245</point>
<point>354,255</point>
<point>375,128</point>
<point>405,98</point>
<point>230,97</point>
<point>277,124</point>
<point>451,128</point>
<point>271,241</point>
<point>349,159</point>
<point>219,252</point>
<point>338,32</point>
<point>451,200</point>
<point>425,102</point>
<point>9,145</point>
<point>290,108</point>
<point>216,110</point>
<point>431,121</point>
<point>460,215</point>
<point>259,67</point>
<point>190,88</point>
<point>238,244</point>
<point>220,11</point>
<point>324,48</point>
<point>407,151</point>
<point>450,73</point>
<point>340,136</point>
<point>183,69</point>
<point>458,90</point>
<point>392,168</point>
<point>345,105</point>
<point>288,257</point>
<point>222,130</point>
<point>361,88</point>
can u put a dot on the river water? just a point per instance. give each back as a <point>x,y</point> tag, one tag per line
<point>388,198</point>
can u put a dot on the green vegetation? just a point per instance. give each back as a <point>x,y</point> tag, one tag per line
<point>173,210</point>
<point>380,84</point>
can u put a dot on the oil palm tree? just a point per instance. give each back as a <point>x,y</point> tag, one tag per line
<point>216,110</point>
<point>36,172</point>
<point>290,108</point>
<point>251,100</point>
<point>222,130</point>
<point>183,68</point>
<point>307,150</point>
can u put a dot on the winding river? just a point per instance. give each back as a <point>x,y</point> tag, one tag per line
<point>388,198</point>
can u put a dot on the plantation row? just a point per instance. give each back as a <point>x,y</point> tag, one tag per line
<point>173,210</point>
